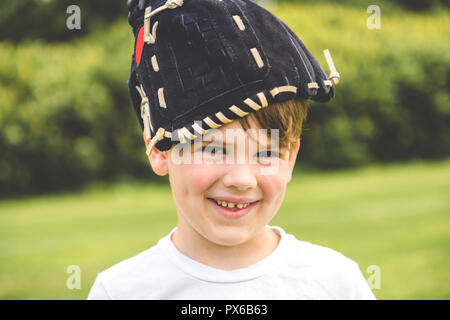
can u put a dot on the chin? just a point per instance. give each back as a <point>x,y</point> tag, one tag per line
<point>229,236</point>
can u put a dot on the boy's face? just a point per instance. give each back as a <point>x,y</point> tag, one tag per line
<point>252,182</point>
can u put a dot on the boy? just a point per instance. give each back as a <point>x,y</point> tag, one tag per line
<point>206,77</point>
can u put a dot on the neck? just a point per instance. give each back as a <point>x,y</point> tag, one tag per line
<point>226,257</point>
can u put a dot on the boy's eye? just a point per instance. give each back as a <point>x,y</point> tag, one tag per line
<point>213,149</point>
<point>268,154</point>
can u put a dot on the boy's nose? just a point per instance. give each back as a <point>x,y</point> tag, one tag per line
<point>241,177</point>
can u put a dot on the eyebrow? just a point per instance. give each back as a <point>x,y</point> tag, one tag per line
<point>269,141</point>
<point>231,145</point>
<point>216,143</point>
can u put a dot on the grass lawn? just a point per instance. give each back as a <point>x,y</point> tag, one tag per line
<point>396,217</point>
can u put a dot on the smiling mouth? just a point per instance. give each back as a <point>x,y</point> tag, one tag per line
<point>232,205</point>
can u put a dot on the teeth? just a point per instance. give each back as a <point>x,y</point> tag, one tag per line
<point>231,204</point>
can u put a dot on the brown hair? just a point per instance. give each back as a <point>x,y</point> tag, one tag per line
<point>286,116</point>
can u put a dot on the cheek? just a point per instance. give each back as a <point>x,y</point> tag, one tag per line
<point>273,186</point>
<point>196,179</point>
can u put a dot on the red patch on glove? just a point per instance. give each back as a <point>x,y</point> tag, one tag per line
<point>139,45</point>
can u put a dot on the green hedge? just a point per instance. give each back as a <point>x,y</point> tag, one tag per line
<point>46,19</point>
<point>392,103</point>
<point>411,5</point>
<point>66,117</point>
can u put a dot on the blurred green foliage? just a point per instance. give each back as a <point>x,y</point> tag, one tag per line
<point>46,19</point>
<point>393,100</point>
<point>411,5</point>
<point>66,117</point>
<point>420,5</point>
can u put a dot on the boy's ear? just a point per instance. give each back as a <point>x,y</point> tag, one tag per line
<point>293,157</point>
<point>158,160</point>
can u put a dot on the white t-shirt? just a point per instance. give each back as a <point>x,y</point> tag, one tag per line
<point>294,270</point>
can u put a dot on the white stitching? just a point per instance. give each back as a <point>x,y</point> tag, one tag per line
<point>252,104</point>
<point>149,37</point>
<point>238,111</point>
<point>334,75</point>
<point>313,85</point>
<point>199,129</point>
<point>170,4</point>
<point>281,89</point>
<point>155,63</point>
<point>157,137</point>
<point>162,101</point>
<point>257,57</point>
<point>222,117</point>
<point>187,134</point>
<point>211,123</point>
<point>145,112</point>
<point>239,23</point>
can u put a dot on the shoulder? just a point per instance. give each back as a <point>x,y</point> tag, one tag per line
<point>314,255</point>
<point>133,278</point>
<point>324,267</point>
<point>306,254</point>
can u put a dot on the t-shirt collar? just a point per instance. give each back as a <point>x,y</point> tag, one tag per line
<point>207,273</point>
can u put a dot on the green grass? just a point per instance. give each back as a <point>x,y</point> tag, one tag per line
<point>396,217</point>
